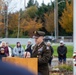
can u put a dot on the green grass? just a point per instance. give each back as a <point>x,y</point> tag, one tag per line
<point>12,46</point>
<point>69,50</point>
<point>15,45</point>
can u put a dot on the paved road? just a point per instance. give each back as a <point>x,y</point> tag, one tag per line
<point>55,61</point>
<point>25,40</point>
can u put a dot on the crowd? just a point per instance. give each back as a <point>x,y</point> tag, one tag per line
<point>17,51</point>
<point>44,52</point>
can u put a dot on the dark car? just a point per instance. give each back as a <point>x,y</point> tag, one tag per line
<point>49,38</point>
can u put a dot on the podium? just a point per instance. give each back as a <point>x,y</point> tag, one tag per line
<point>29,63</point>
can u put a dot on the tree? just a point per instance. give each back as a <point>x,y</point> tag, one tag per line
<point>30,25</point>
<point>13,24</point>
<point>1,19</point>
<point>2,27</point>
<point>6,8</point>
<point>66,20</point>
<point>31,12</point>
<point>30,3</point>
<point>49,22</point>
<point>36,3</point>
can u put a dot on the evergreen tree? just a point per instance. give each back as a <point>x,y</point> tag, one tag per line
<point>30,3</point>
<point>36,3</point>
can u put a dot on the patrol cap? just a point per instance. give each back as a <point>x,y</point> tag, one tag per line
<point>39,33</point>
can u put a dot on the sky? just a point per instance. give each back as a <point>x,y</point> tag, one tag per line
<point>16,5</point>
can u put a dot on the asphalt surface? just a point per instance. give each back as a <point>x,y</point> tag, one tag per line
<point>55,62</point>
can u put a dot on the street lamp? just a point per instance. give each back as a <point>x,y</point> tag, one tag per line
<point>18,25</point>
<point>25,4</point>
<point>55,17</point>
<point>56,3</point>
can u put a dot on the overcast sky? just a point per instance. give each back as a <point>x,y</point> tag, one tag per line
<point>16,5</point>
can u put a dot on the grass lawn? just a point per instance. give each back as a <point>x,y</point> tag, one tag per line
<point>69,50</point>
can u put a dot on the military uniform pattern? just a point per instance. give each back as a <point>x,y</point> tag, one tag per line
<point>43,53</point>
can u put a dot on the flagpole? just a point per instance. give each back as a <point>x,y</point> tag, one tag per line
<point>74,34</point>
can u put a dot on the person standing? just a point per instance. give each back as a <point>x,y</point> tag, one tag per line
<point>3,45</point>
<point>29,45</point>
<point>62,51</point>
<point>42,52</point>
<point>52,51</point>
<point>10,49</point>
<point>27,55</point>
<point>18,50</point>
<point>2,53</point>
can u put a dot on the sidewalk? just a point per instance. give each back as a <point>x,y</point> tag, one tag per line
<point>55,61</point>
<point>56,71</point>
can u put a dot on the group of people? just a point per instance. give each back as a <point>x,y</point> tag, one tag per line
<point>17,51</point>
<point>5,50</point>
<point>44,52</point>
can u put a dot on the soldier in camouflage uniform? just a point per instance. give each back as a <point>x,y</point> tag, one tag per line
<point>42,52</point>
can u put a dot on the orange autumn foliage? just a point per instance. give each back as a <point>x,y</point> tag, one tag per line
<point>49,21</point>
<point>13,23</point>
<point>30,25</point>
<point>1,18</point>
<point>66,20</point>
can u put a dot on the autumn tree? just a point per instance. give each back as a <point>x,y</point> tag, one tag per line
<point>2,27</point>
<point>1,18</point>
<point>66,20</point>
<point>49,22</point>
<point>30,25</point>
<point>13,24</point>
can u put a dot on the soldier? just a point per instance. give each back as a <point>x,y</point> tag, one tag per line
<point>42,52</point>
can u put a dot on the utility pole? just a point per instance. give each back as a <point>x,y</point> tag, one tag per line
<point>56,27</point>
<point>56,18</point>
<point>7,24</point>
<point>18,25</point>
<point>25,4</point>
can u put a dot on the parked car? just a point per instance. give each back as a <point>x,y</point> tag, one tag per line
<point>49,38</point>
